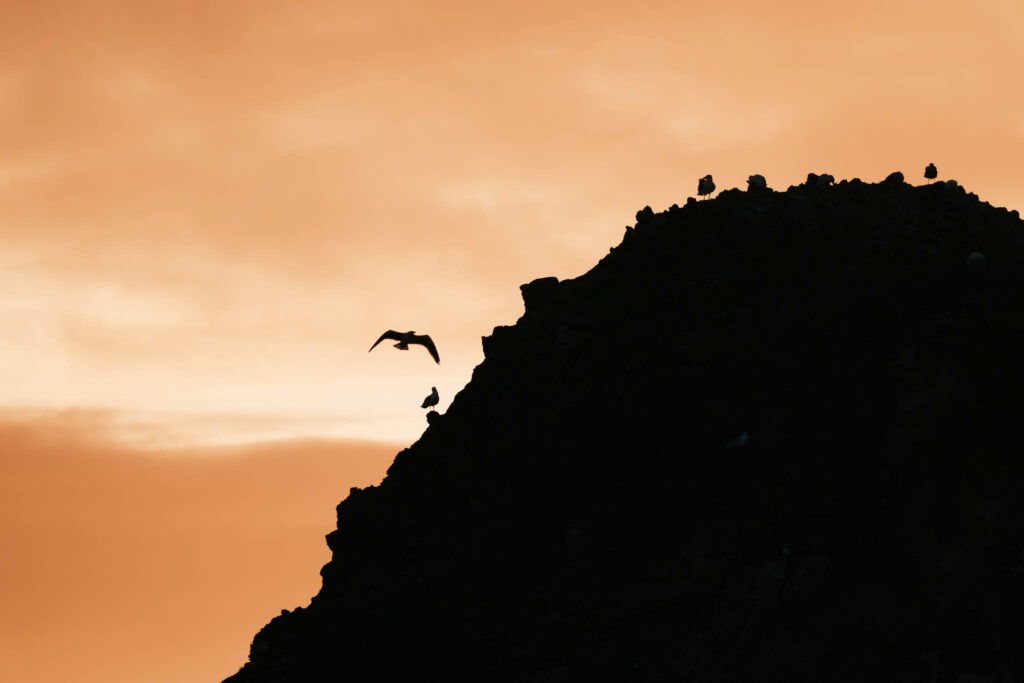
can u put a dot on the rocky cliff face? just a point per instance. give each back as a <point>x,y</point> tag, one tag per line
<point>577,514</point>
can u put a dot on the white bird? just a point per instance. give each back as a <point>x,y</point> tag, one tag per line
<point>740,441</point>
<point>705,185</point>
<point>432,400</point>
<point>410,337</point>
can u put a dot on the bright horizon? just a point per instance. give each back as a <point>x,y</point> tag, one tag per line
<point>213,209</point>
<point>210,210</point>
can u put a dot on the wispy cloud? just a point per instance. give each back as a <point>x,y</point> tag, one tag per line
<point>223,203</point>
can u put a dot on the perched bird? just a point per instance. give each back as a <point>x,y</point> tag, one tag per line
<point>431,401</point>
<point>705,186</point>
<point>930,172</point>
<point>410,337</point>
<point>818,181</point>
<point>756,182</point>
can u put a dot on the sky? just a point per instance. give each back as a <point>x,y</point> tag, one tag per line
<point>119,566</point>
<point>209,210</point>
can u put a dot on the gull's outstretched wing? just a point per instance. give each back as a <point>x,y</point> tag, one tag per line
<point>390,334</point>
<point>425,340</point>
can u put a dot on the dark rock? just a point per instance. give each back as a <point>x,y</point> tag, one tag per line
<point>536,292</point>
<point>976,260</point>
<point>501,338</point>
<point>573,333</point>
<point>894,178</point>
<point>575,516</point>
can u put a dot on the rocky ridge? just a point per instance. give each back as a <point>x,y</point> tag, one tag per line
<point>577,515</point>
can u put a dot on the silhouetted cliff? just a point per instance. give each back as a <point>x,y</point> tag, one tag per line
<point>576,514</point>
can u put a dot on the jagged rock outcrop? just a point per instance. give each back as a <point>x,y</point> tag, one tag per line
<point>576,515</point>
<point>538,291</point>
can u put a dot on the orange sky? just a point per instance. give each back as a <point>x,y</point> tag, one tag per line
<point>119,566</point>
<point>215,207</point>
<point>210,209</point>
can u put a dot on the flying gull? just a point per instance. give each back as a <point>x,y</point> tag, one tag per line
<point>410,337</point>
<point>432,400</point>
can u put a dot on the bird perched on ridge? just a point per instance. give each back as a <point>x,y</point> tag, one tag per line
<point>930,172</point>
<point>432,400</point>
<point>819,181</point>
<point>705,186</point>
<point>755,183</point>
<point>410,337</point>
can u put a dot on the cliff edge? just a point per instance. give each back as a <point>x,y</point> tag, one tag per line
<point>771,436</point>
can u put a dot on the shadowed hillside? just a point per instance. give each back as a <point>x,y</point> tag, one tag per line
<point>576,514</point>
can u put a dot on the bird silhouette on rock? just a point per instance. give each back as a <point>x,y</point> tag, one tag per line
<point>705,186</point>
<point>930,172</point>
<point>432,400</point>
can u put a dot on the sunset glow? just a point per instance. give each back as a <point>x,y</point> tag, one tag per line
<point>210,210</point>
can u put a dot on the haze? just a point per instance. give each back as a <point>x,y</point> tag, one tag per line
<point>210,210</point>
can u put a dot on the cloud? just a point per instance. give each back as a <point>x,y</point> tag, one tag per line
<point>223,203</point>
